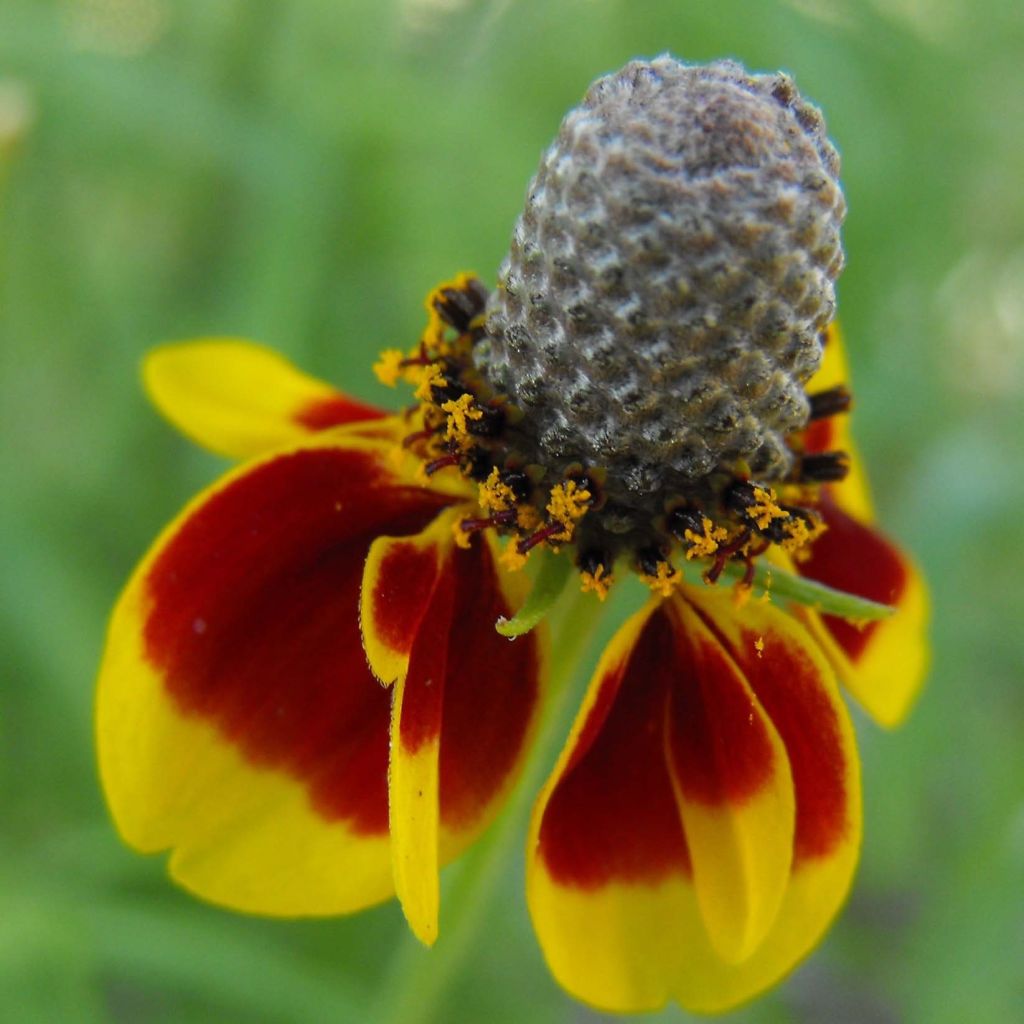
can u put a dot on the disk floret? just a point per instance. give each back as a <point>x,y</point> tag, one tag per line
<point>634,388</point>
<point>461,422</point>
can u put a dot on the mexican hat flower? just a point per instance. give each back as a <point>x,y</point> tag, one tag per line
<point>323,679</point>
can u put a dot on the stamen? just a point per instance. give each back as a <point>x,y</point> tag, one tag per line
<point>495,494</point>
<point>664,577</point>
<point>388,368</point>
<point>823,467</point>
<point>418,435</point>
<point>460,412</point>
<point>442,463</point>
<point>830,403</point>
<point>460,303</point>
<point>724,553</point>
<point>465,528</point>
<point>432,378</point>
<point>568,503</point>
<point>550,532</point>
<point>599,582</point>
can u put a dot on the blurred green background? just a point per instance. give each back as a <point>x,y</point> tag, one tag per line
<point>302,172</point>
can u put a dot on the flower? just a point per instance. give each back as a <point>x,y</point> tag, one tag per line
<point>303,694</point>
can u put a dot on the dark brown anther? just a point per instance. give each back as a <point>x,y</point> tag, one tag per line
<point>460,307</point>
<point>491,422</point>
<point>830,403</point>
<point>681,520</point>
<point>648,559</point>
<point>739,496</point>
<point>824,467</point>
<point>518,482</point>
<point>478,464</point>
<point>450,391</point>
<point>594,559</point>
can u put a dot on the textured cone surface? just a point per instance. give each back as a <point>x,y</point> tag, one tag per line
<point>659,309</point>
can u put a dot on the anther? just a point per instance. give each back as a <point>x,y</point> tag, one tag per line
<point>648,559</point>
<point>681,520</point>
<point>490,423</point>
<point>459,307</point>
<point>739,496</point>
<point>823,467</point>
<point>593,561</point>
<point>830,403</point>
<point>518,483</point>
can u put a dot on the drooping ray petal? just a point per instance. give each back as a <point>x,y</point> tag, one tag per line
<point>883,663</point>
<point>796,688</point>
<point>237,721</point>
<point>241,400</point>
<point>494,690</point>
<point>414,800</point>
<point>612,880</point>
<point>732,781</point>
<point>398,580</point>
<point>465,705</point>
<point>832,434</point>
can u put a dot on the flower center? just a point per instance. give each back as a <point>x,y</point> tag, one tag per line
<point>635,384</point>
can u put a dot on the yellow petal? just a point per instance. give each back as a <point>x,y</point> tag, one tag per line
<point>240,399</point>
<point>738,824</point>
<point>237,722</point>
<point>612,881</point>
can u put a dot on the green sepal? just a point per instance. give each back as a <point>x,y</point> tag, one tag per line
<point>547,587</point>
<point>800,590</point>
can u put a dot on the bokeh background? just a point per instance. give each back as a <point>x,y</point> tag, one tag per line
<point>302,171</point>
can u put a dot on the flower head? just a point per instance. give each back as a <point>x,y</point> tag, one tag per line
<point>304,695</point>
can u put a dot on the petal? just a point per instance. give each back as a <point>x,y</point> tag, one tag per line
<point>414,778</point>
<point>796,688</point>
<point>465,707</point>
<point>240,400</point>
<point>398,580</point>
<point>883,663</point>
<point>629,906</point>
<point>734,789</point>
<point>237,721</point>
<point>833,433</point>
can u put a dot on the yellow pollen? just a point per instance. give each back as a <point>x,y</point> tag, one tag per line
<point>706,545</point>
<point>461,534</point>
<point>599,582</point>
<point>741,594</point>
<point>766,509</point>
<point>567,505</point>
<point>527,518</point>
<point>388,367</point>
<point>496,496</point>
<point>512,558</point>
<point>664,581</point>
<point>430,377</point>
<point>799,535</point>
<point>460,411</point>
<point>759,646</point>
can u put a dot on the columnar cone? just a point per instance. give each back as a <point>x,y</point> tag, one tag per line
<point>660,306</point>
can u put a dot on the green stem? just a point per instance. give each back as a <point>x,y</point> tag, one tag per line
<point>417,978</point>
